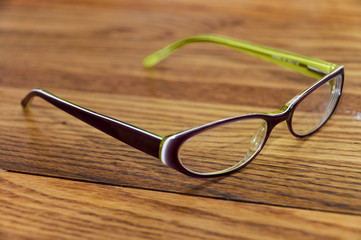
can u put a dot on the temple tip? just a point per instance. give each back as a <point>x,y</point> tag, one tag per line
<point>149,62</point>
<point>153,59</point>
<point>157,56</point>
<point>25,102</point>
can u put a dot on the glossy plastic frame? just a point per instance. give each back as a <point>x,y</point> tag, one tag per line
<point>167,148</point>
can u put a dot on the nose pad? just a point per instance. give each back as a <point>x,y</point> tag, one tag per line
<point>256,141</point>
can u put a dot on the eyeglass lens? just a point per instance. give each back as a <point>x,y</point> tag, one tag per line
<point>223,147</point>
<point>317,107</point>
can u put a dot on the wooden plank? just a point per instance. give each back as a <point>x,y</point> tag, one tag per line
<point>43,208</point>
<point>91,54</point>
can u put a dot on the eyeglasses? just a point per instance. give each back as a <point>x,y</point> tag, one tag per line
<point>223,147</point>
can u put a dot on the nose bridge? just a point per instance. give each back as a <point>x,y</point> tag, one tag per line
<point>279,116</point>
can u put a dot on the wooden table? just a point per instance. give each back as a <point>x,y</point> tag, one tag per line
<point>62,179</point>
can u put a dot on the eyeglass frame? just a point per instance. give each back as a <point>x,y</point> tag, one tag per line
<point>167,148</point>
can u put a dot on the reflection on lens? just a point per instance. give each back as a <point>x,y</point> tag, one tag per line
<point>223,147</point>
<point>315,109</point>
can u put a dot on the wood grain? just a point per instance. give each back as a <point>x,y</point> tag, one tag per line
<point>289,177</point>
<point>59,209</point>
<point>91,53</point>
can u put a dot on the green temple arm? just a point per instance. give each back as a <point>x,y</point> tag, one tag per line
<point>311,67</point>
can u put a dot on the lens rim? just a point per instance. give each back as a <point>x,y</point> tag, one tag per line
<point>307,92</point>
<point>237,164</point>
<point>171,145</point>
